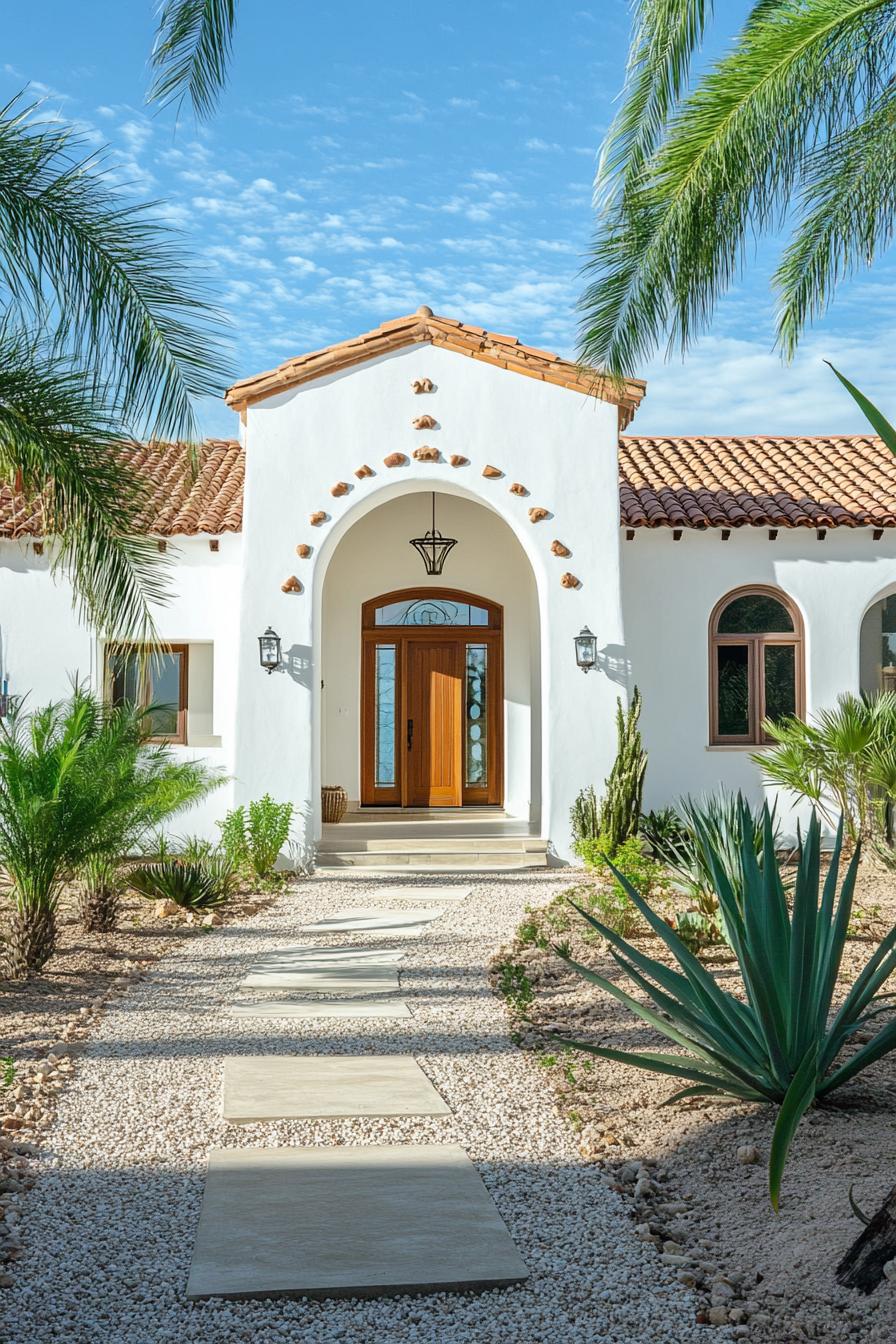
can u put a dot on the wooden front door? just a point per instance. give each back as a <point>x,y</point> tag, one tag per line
<point>434,671</point>
<point>431,700</point>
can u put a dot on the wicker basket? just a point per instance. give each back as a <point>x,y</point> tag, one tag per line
<point>334,801</point>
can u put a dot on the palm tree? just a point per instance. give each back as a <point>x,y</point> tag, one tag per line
<point>104,335</point>
<point>796,123</point>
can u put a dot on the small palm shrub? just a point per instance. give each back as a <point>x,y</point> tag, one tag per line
<point>193,884</point>
<point>784,1043</point>
<point>99,896</point>
<point>844,762</point>
<point>75,784</point>
<point>254,837</point>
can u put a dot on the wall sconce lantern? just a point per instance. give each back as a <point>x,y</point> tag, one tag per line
<point>269,650</point>
<point>586,649</point>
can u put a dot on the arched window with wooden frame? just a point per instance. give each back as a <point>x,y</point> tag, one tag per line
<point>755,664</point>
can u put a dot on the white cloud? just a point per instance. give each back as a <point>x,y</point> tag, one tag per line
<point>544,146</point>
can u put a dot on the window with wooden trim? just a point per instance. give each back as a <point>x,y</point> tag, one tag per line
<point>756,664</point>
<point>156,679</point>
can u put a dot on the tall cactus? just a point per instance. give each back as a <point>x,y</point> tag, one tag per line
<point>624,787</point>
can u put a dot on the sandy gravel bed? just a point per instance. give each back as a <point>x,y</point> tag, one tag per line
<point>709,1216</point>
<point>108,1229</point>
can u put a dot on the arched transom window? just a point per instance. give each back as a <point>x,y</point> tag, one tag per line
<point>756,664</point>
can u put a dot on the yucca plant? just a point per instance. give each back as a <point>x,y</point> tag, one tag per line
<point>193,884</point>
<point>784,1042</point>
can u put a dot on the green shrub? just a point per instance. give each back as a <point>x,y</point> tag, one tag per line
<point>515,986</point>
<point>253,838</point>
<point>844,762</point>
<point>785,1043</point>
<point>610,899</point>
<point>193,884</point>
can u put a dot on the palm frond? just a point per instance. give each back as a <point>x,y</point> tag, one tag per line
<point>666,33</point>
<point>192,51</point>
<point>846,219</point>
<point>60,444</point>
<point>107,278</point>
<point>725,170</point>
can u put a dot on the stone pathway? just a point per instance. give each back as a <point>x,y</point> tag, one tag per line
<point>109,1228</point>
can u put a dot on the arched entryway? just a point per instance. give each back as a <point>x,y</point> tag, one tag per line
<point>432,699</point>
<point>432,649</point>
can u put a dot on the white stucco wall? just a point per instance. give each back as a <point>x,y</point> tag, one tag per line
<point>374,557</point>
<point>559,444</point>
<point>44,646</point>
<point>669,590</point>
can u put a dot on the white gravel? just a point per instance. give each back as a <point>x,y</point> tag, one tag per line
<point>109,1227</point>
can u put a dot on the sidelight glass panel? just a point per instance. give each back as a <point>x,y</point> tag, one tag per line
<point>430,611</point>
<point>733,666</point>
<point>384,717</point>
<point>780,680</point>
<point>476,717</point>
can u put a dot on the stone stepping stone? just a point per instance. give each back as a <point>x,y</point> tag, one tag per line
<point>315,1087</point>
<point>322,1008</point>
<point>422,893</point>
<point>303,956</point>
<point>348,1222</point>
<point>361,978</point>
<point>373,921</point>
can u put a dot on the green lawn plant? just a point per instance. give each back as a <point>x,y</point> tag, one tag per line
<point>784,1042</point>
<point>254,837</point>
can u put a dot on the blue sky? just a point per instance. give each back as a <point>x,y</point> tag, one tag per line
<point>370,158</point>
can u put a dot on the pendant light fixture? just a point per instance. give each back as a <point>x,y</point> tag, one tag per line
<point>433,547</point>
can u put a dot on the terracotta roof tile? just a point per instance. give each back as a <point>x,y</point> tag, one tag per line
<point>836,481</point>
<point>178,507</point>
<point>839,481</point>
<point>421,327</point>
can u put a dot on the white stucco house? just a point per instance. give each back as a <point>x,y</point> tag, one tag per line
<point>726,577</point>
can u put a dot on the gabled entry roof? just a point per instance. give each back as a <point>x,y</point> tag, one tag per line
<point>506,352</point>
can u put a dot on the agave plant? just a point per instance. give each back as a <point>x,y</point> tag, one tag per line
<point>193,884</point>
<point>712,831</point>
<point>784,1042</point>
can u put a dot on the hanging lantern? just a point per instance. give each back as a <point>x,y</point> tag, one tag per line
<point>269,650</point>
<point>586,649</point>
<point>433,547</point>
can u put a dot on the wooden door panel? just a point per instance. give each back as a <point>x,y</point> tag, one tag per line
<point>434,680</point>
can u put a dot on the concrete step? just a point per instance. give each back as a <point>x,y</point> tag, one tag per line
<point>437,856</point>
<point>442,844</point>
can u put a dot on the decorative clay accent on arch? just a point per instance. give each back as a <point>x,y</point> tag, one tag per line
<point>292,585</point>
<point>570,581</point>
<point>395,460</point>
<point>425,422</point>
<point>492,473</point>
<point>457,461</point>
<point>317,518</point>
<point>426,454</point>
<point>303,550</point>
<point>537,515</point>
<point>340,488</point>
<point>557,548</point>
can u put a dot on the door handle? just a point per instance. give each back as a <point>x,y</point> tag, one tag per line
<point>410,733</point>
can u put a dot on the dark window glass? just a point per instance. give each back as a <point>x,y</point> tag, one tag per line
<point>755,614</point>
<point>733,664</point>
<point>780,680</point>
<point>149,679</point>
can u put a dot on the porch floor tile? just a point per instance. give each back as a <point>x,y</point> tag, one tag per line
<point>285,1087</point>
<point>348,1222</point>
